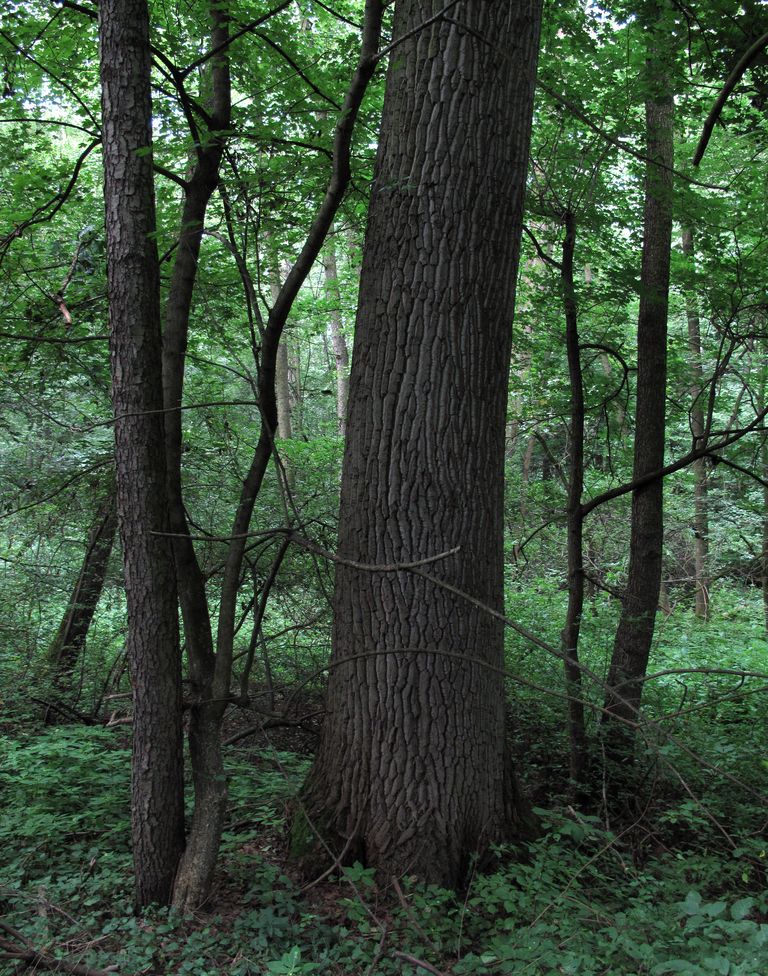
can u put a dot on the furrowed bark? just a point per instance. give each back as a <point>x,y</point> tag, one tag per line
<point>412,775</point>
<point>134,312</point>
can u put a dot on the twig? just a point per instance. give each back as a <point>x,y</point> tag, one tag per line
<point>409,912</point>
<point>616,141</point>
<point>23,950</point>
<point>338,861</point>
<point>379,952</point>
<point>273,723</point>
<point>46,211</point>
<point>416,30</point>
<point>419,963</point>
<point>232,38</point>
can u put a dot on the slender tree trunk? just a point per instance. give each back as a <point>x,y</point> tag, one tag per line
<point>764,475</point>
<point>295,391</point>
<point>340,352</point>
<point>284,429</point>
<point>68,644</point>
<point>220,688</point>
<point>521,365</point>
<point>575,518</point>
<point>665,604</point>
<point>700,516</point>
<point>134,312</point>
<point>636,625</point>
<point>199,189</point>
<point>525,477</point>
<point>412,775</point>
<point>195,872</point>
<point>284,426</point>
<point>764,464</point>
<point>282,385</point>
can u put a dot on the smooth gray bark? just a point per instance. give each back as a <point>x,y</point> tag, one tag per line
<point>339,343</point>
<point>282,385</point>
<point>700,516</point>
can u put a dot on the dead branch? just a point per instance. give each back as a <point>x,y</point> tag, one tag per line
<point>419,963</point>
<point>19,947</point>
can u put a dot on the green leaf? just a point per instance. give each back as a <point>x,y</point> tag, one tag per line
<point>715,908</point>
<point>675,966</point>
<point>717,964</point>
<point>741,908</point>
<point>692,903</point>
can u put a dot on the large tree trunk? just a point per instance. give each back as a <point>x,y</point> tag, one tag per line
<point>412,775</point>
<point>636,625</point>
<point>68,644</point>
<point>700,513</point>
<point>134,311</point>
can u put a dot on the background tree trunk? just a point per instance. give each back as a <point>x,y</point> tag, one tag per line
<point>764,474</point>
<point>700,515</point>
<point>68,644</point>
<point>340,352</point>
<point>525,476</point>
<point>635,631</point>
<point>195,871</point>
<point>575,517</point>
<point>412,774</point>
<point>282,386</point>
<point>134,312</point>
<point>764,466</point>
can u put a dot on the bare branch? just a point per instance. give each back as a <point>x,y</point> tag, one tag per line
<point>286,57</point>
<point>733,79</point>
<point>416,30</point>
<point>620,143</point>
<point>47,210</point>
<point>419,963</point>
<point>234,37</point>
<point>683,462</point>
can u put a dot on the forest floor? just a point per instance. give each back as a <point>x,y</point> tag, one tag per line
<point>673,883</point>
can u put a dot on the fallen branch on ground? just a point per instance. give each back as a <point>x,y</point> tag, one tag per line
<point>19,947</point>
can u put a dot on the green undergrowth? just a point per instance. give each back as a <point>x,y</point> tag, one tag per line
<point>672,881</point>
<point>578,902</point>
